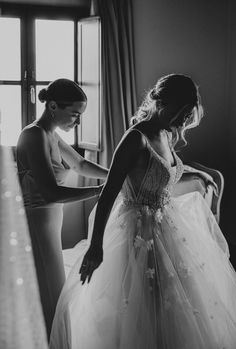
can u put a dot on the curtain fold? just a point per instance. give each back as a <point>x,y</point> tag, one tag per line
<point>118,76</point>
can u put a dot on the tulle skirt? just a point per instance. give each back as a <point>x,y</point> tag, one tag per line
<point>165,283</point>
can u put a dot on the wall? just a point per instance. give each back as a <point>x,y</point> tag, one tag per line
<point>232,73</point>
<point>195,38</point>
<point>230,210</point>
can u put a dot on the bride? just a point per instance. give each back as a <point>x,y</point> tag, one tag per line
<point>154,271</point>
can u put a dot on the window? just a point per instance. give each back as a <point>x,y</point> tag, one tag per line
<point>10,74</point>
<point>41,45</point>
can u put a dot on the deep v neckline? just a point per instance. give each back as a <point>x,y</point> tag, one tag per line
<point>162,159</point>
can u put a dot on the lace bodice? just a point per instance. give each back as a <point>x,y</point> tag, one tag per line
<point>156,185</point>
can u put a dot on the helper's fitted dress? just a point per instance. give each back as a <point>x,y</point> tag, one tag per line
<point>45,223</point>
<point>165,281</point>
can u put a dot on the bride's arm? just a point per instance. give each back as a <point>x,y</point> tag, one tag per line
<point>123,161</point>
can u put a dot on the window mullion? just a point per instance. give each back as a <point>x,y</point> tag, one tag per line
<point>30,72</point>
<point>23,72</point>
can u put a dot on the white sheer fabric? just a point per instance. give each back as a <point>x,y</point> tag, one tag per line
<point>194,306</point>
<point>165,281</point>
<point>21,318</point>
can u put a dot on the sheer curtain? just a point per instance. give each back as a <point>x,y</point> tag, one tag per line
<point>21,318</point>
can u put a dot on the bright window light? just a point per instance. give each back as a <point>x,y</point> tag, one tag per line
<point>54,49</point>
<point>10,114</point>
<point>10,60</point>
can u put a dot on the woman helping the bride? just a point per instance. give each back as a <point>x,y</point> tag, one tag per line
<point>154,271</point>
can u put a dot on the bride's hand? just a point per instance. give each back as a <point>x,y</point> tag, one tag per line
<point>92,259</point>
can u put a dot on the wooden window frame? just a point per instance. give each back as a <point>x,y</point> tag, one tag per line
<point>27,15</point>
<point>84,140</point>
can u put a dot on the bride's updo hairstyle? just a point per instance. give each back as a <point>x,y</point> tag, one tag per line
<point>178,90</point>
<point>64,92</point>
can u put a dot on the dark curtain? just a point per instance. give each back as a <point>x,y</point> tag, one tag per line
<point>118,76</point>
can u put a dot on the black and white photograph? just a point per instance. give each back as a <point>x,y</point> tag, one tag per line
<point>117,174</point>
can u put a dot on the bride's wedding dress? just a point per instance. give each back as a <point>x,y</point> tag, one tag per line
<point>165,281</point>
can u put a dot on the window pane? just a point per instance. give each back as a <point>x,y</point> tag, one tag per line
<point>68,137</point>
<point>90,121</point>
<point>89,74</point>
<point>54,49</point>
<point>10,60</point>
<point>10,114</point>
<point>90,55</point>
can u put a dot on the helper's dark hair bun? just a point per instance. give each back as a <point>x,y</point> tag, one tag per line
<point>42,96</point>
